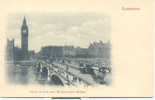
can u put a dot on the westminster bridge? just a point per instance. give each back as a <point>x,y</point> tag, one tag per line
<point>59,72</point>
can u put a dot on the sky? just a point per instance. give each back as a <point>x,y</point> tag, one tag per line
<point>77,29</point>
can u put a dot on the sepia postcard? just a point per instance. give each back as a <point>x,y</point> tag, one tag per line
<point>76,48</point>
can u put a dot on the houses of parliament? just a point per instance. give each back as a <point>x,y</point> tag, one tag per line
<point>95,49</point>
<point>16,53</point>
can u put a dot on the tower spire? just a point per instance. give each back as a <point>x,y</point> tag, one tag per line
<point>24,39</point>
<point>24,21</point>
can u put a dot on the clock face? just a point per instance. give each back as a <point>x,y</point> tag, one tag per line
<point>24,31</point>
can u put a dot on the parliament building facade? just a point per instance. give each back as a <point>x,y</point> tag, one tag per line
<point>95,49</point>
<point>16,53</point>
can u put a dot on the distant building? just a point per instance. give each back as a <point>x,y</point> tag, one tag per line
<point>82,52</point>
<point>52,51</point>
<point>58,51</point>
<point>13,53</point>
<point>10,50</point>
<point>18,54</point>
<point>69,51</point>
<point>95,50</point>
<point>99,49</point>
<point>31,54</point>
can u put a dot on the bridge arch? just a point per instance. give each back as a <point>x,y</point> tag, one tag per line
<point>55,80</point>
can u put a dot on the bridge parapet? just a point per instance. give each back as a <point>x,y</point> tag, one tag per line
<point>25,62</point>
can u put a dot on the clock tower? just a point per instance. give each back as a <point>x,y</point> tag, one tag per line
<point>24,39</point>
